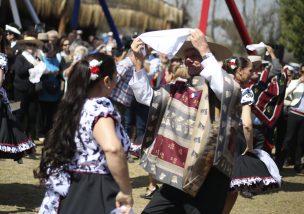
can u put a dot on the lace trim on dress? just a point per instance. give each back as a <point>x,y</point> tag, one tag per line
<point>254,184</point>
<point>23,146</point>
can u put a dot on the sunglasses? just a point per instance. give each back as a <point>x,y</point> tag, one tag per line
<point>65,44</point>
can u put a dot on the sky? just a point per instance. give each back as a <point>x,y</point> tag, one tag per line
<point>194,8</point>
<point>222,12</point>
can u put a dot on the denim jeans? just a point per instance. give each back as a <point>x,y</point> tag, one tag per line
<point>136,114</point>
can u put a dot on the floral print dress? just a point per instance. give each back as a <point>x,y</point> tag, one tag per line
<point>89,157</point>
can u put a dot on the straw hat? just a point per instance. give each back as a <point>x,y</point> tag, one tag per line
<point>30,40</point>
<point>219,51</point>
<point>43,37</point>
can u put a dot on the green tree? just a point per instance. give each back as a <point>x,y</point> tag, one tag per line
<point>262,25</point>
<point>292,25</point>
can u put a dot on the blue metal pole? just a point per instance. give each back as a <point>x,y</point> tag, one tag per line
<point>74,22</point>
<point>32,11</point>
<point>111,23</point>
<point>15,13</point>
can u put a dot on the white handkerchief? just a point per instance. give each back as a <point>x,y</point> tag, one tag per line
<point>36,72</point>
<point>254,47</point>
<point>166,41</point>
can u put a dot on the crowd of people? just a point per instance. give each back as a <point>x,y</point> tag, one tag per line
<point>205,124</point>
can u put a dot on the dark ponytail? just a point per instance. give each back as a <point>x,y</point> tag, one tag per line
<point>232,64</point>
<point>59,145</point>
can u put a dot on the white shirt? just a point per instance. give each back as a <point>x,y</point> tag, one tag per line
<point>212,73</point>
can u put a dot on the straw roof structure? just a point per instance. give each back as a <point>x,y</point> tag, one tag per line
<point>136,14</point>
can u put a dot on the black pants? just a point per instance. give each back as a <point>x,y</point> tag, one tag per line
<point>46,115</point>
<point>210,198</point>
<point>295,130</point>
<point>27,114</point>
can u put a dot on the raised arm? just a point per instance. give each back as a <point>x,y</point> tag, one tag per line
<point>139,83</point>
<point>276,65</point>
<point>211,70</point>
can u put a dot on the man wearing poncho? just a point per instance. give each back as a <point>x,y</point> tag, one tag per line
<point>189,139</point>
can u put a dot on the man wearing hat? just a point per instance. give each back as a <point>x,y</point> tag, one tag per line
<point>12,34</point>
<point>24,90</point>
<point>189,133</point>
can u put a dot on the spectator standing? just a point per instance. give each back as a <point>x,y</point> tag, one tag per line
<point>24,90</point>
<point>12,34</point>
<point>295,122</point>
<point>50,94</point>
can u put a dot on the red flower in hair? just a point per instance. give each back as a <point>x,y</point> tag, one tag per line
<point>95,70</point>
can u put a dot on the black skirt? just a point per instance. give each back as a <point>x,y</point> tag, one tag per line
<point>13,142</point>
<point>90,193</point>
<point>251,174</point>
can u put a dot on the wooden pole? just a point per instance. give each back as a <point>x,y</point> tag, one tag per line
<point>62,24</point>
<point>204,15</point>
<point>238,21</point>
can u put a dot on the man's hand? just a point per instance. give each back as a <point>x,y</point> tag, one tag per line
<point>198,40</point>
<point>137,57</point>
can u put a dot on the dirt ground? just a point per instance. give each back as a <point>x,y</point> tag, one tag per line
<point>21,193</point>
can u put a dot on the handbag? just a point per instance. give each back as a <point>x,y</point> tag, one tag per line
<point>39,86</point>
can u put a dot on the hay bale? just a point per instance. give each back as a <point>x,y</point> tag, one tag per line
<point>138,14</point>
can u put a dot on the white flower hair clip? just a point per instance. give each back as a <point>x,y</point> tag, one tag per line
<point>94,68</point>
<point>232,64</point>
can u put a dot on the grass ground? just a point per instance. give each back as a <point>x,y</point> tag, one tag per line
<point>21,193</point>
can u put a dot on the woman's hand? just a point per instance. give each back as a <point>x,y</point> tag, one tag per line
<point>125,200</point>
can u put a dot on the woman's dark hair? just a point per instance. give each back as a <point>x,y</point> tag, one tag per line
<point>2,42</point>
<point>59,145</point>
<point>232,64</point>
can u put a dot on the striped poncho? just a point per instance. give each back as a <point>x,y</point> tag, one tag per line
<point>189,131</point>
